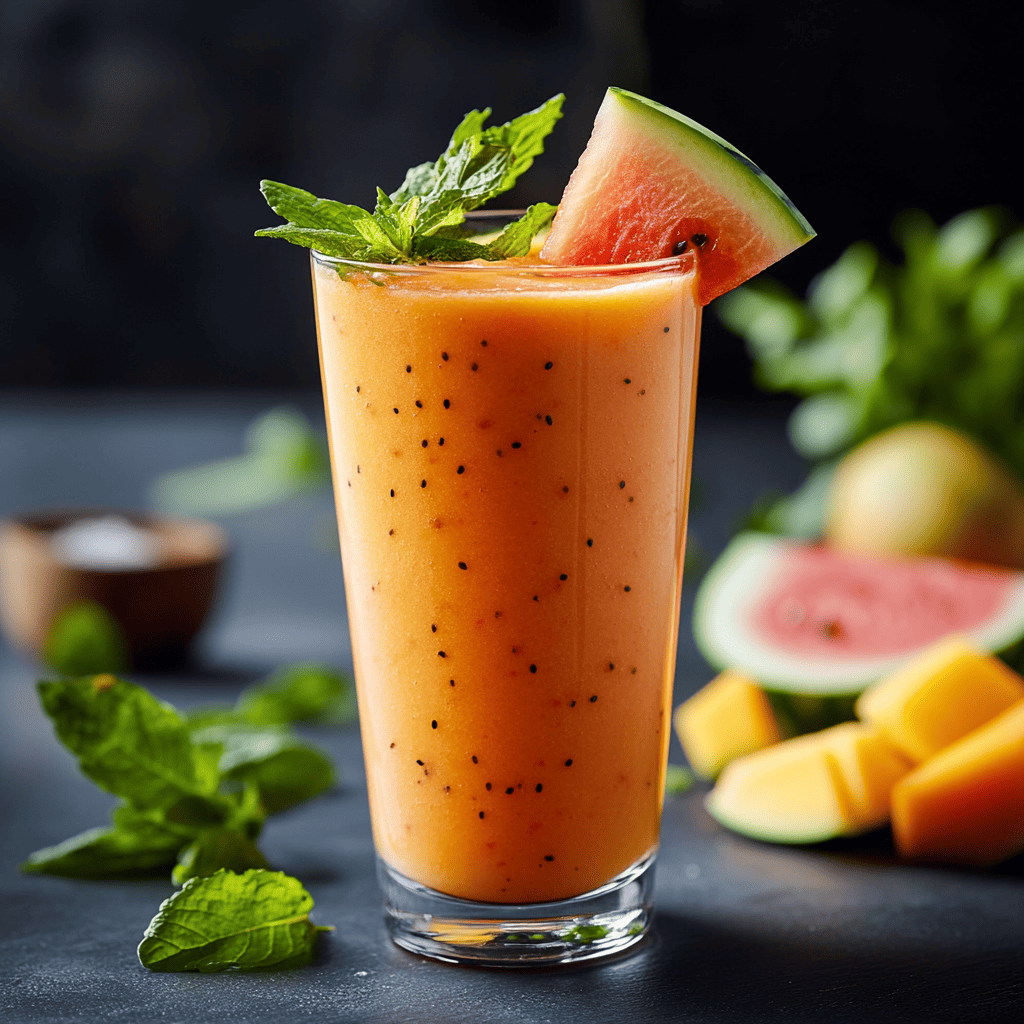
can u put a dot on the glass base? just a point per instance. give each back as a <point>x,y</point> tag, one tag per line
<point>600,923</point>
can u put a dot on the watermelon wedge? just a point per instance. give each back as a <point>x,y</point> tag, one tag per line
<point>652,184</point>
<point>804,619</point>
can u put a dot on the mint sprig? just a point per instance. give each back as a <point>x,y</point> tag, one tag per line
<point>422,219</point>
<point>254,921</point>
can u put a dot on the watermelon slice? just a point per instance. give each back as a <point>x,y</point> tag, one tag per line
<point>652,183</point>
<point>804,619</point>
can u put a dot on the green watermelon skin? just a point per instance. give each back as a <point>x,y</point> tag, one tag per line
<point>651,179</point>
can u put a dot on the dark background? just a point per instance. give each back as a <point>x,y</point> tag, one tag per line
<point>133,134</point>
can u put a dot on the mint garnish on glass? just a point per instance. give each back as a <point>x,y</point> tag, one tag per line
<point>423,219</point>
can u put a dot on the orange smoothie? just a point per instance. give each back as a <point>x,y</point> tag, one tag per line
<point>511,448</point>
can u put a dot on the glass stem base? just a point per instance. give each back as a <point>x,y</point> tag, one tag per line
<point>600,923</point>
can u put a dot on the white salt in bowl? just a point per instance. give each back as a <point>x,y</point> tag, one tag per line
<point>156,575</point>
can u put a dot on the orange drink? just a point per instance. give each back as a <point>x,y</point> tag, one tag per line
<point>511,446</point>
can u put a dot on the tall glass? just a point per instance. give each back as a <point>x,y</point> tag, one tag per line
<point>511,447</point>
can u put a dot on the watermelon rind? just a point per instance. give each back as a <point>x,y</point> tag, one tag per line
<point>691,173</point>
<point>732,588</point>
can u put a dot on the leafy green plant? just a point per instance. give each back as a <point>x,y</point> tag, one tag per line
<point>423,219</point>
<point>258,920</point>
<point>939,337</point>
<point>193,795</point>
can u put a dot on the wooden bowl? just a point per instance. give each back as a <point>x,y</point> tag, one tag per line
<point>160,606</point>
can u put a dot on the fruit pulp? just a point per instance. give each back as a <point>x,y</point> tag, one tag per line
<point>511,447</point>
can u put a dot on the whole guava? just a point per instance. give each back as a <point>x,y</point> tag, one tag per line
<point>921,488</point>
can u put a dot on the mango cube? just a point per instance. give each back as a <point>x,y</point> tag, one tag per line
<point>933,701</point>
<point>966,804</point>
<point>831,783</point>
<point>728,718</point>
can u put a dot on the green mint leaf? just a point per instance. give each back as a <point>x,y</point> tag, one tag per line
<point>302,692</point>
<point>254,921</point>
<point>137,843</point>
<point>85,639</point>
<point>479,164</point>
<point>284,456</point>
<point>586,933</point>
<point>518,236</point>
<point>678,780</point>
<point>126,741</point>
<point>223,849</point>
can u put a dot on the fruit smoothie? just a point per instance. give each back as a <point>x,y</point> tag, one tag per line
<point>511,447</point>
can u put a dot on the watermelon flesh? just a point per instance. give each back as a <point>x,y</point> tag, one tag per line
<point>652,183</point>
<point>805,619</point>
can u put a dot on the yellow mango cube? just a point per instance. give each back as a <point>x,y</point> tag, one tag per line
<point>933,701</point>
<point>966,804</point>
<point>836,782</point>
<point>728,718</point>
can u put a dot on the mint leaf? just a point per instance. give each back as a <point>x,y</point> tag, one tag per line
<point>284,456</point>
<point>254,921</point>
<point>216,850</point>
<point>518,236</point>
<point>85,639</point>
<point>137,844</point>
<point>678,780</point>
<point>126,741</point>
<point>302,692</point>
<point>407,225</point>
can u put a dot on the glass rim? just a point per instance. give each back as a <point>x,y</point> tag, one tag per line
<point>685,261</point>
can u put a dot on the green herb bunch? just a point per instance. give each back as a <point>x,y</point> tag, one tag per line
<point>423,219</point>
<point>939,337</point>
<point>194,790</point>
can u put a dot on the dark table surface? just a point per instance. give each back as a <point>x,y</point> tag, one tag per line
<point>744,931</point>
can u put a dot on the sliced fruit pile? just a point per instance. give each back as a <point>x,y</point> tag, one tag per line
<point>938,750</point>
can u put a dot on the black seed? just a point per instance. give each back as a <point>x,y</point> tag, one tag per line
<point>440,440</point>
<point>475,760</point>
<point>547,419</point>
<point>563,577</point>
<point>474,367</point>
<point>424,442</point>
<point>392,492</point>
<point>481,814</point>
<point>572,703</point>
<point>484,343</point>
<point>590,542</point>
<point>488,787</point>
<point>538,787</point>
<point>451,682</point>
<point>516,444</point>
<point>391,533</point>
<point>699,239</point>
<point>408,369</point>
<point>461,469</point>
<point>568,764</point>
<point>548,857</point>
<point>433,724</point>
<point>423,483</point>
<point>433,628</point>
<point>611,666</point>
<point>447,404</point>
<point>357,389</point>
<point>533,668</point>
<point>349,482</point>
<point>622,483</point>
<point>547,366</point>
<point>627,381</point>
<point>419,762</point>
<point>462,565</point>
<point>419,404</point>
<point>444,356</point>
<point>510,790</point>
<point>536,598</point>
<point>627,589</point>
<point>679,248</point>
<point>396,412</point>
<point>565,490</point>
<point>441,654</point>
<point>358,470</point>
<point>593,700</point>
